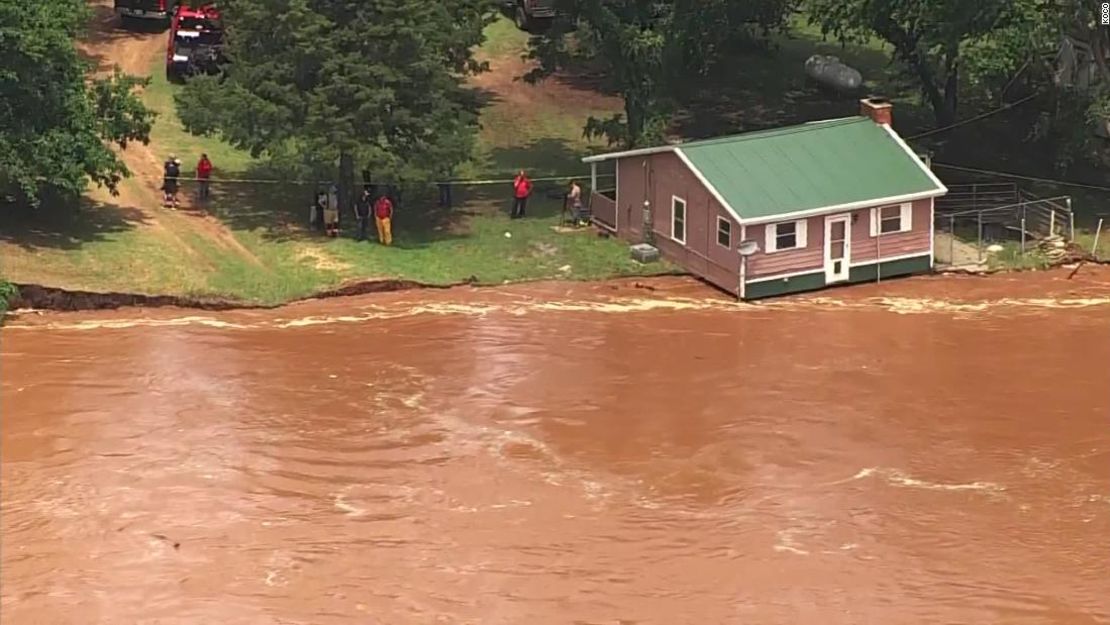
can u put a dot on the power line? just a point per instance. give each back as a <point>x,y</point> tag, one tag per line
<point>969,120</point>
<point>478,182</point>
<point>1066,183</point>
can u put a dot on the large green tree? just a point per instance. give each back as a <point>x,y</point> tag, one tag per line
<point>1077,106</point>
<point>377,83</point>
<point>649,49</point>
<point>929,37</point>
<point>56,125</point>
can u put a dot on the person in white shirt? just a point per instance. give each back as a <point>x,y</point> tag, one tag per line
<point>574,198</point>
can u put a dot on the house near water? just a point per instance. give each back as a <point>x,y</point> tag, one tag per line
<point>815,205</point>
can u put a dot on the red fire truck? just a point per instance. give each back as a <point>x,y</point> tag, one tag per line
<point>196,42</point>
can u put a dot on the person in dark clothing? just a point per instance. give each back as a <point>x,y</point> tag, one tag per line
<point>171,174</point>
<point>522,188</point>
<point>362,213</point>
<point>396,192</point>
<point>316,217</point>
<point>445,190</point>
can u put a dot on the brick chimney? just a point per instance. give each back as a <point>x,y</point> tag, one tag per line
<point>878,109</point>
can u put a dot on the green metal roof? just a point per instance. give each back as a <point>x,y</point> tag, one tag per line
<point>807,167</point>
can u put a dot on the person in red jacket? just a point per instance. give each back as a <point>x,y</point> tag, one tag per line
<point>383,216</point>
<point>522,188</point>
<point>204,173</point>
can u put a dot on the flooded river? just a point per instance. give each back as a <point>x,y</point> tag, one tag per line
<point>925,451</point>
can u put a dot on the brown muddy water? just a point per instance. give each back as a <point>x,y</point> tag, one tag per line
<point>925,451</point>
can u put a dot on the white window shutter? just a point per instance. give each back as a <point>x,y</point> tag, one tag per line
<point>875,222</point>
<point>769,238</point>
<point>800,228</point>
<point>907,216</point>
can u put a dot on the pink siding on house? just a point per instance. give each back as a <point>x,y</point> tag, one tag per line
<point>867,248</point>
<point>809,258</point>
<point>660,177</point>
<point>864,247</point>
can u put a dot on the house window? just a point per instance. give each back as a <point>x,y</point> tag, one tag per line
<point>891,219</point>
<point>724,232</point>
<point>788,235</point>
<point>678,219</point>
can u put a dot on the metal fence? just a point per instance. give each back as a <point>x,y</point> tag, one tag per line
<point>962,237</point>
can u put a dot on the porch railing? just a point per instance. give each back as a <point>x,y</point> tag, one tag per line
<point>604,208</point>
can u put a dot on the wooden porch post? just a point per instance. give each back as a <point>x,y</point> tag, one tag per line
<point>593,177</point>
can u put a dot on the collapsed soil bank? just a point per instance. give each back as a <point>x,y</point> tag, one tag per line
<point>38,297</point>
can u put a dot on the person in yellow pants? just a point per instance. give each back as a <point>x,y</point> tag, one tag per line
<point>383,215</point>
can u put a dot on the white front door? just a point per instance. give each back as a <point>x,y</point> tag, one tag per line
<point>838,247</point>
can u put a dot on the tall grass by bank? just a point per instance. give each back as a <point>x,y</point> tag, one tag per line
<point>8,292</point>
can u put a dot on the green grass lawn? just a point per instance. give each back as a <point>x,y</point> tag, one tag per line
<point>431,245</point>
<point>96,244</point>
<point>171,136</point>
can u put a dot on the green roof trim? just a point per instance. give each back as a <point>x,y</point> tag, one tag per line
<point>808,167</point>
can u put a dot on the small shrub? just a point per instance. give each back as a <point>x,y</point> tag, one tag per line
<point>8,292</point>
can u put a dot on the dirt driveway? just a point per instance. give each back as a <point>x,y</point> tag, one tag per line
<point>134,50</point>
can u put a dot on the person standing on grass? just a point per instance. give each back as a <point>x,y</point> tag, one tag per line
<point>171,173</point>
<point>331,212</point>
<point>204,172</point>
<point>383,216</point>
<point>362,213</point>
<point>445,190</point>
<point>574,198</point>
<point>316,217</point>
<point>522,188</point>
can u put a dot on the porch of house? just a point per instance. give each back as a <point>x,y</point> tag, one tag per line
<point>603,197</point>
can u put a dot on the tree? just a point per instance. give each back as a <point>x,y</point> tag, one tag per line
<point>928,36</point>
<point>1025,54</point>
<point>55,123</point>
<point>648,49</point>
<point>374,81</point>
<point>1079,106</point>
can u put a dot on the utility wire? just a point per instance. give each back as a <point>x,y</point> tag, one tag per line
<point>969,120</point>
<point>1004,174</point>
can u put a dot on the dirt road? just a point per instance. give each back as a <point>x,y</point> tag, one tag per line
<point>134,50</point>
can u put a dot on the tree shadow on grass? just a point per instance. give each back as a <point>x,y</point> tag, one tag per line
<point>540,158</point>
<point>589,77</point>
<point>65,225</point>
<point>766,87</point>
<point>280,212</point>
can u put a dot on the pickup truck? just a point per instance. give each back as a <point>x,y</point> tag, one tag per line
<point>160,10</point>
<point>531,14</point>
